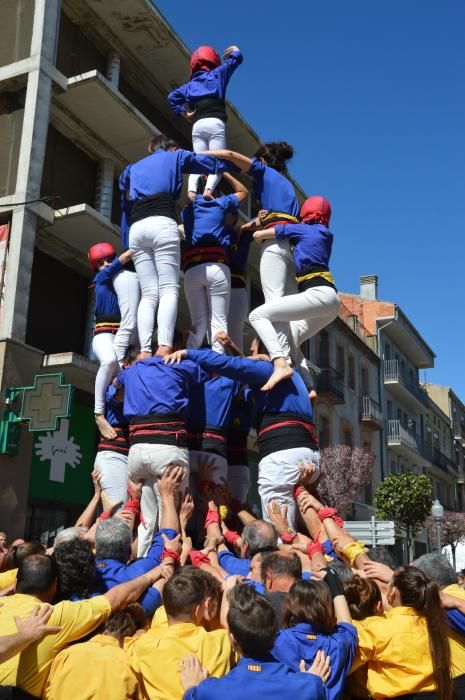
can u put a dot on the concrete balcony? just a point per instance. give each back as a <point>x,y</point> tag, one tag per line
<point>371,415</point>
<point>458,427</point>
<point>403,388</point>
<point>408,444</point>
<point>330,387</point>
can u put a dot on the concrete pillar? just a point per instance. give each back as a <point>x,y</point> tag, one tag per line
<point>104,187</point>
<point>113,66</point>
<point>30,165</point>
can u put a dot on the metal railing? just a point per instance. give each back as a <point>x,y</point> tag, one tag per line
<point>443,461</point>
<point>394,373</point>
<point>370,410</point>
<point>458,429</point>
<point>397,433</point>
<point>330,381</point>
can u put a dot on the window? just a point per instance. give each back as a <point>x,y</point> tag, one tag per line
<point>323,349</point>
<point>347,437</point>
<point>340,361</point>
<point>351,372</point>
<point>324,436</point>
<point>387,351</point>
<point>389,410</point>
<point>364,381</point>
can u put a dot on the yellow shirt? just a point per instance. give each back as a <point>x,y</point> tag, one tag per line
<point>396,650</point>
<point>155,657</point>
<point>160,618</point>
<point>456,640</point>
<point>29,669</point>
<point>71,674</point>
<point>7,578</point>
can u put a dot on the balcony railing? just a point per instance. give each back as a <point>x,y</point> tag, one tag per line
<point>329,384</point>
<point>443,461</point>
<point>398,434</point>
<point>459,429</point>
<point>370,412</point>
<point>394,373</point>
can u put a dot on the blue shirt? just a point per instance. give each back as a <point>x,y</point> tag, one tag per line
<point>204,220</point>
<point>113,407</point>
<point>111,572</point>
<point>203,84</point>
<point>312,244</point>
<point>239,250</point>
<point>259,679</point>
<point>211,401</point>
<point>232,564</point>
<point>456,620</point>
<point>151,387</point>
<point>302,642</point>
<point>242,412</point>
<point>106,301</point>
<point>289,396</point>
<point>273,190</point>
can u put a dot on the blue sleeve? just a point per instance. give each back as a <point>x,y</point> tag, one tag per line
<point>206,690</point>
<point>227,68</point>
<point>229,202</point>
<point>197,163</point>
<point>121,378</point>
<point>328,547</point>
<point>306,575</point>
<point>286,651</point>
<point>252,372</point>
<point>349,636</point>
<point>126,207</point>
<point>257,169</point>
<point>150,601</point>
<point>106,275</point>
<point>110,393</point>
<point>153,556</point>
<point>281,232</point>
<point>456,620</point>
<point>125,179</point>
<point>232,565</point>
<point>177,99</point>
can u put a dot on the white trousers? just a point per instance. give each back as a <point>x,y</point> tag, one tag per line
<point>103,347</point>
<point>114,468</point>
<point>147,462</point>
<point>239,481</point>
<point>238,311</point>
<point>126,286</point>
<point>310,311</point>
<point>277,275</point>
<point>278,474</point>
<point>154,243</point>
<point>220,467</point>
<point>208,290</point>
<point>207,134</point>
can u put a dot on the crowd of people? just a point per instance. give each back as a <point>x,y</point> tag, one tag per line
<point>169,586</point>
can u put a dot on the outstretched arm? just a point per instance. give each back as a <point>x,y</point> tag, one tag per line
<point>252,372</point>
<point>239,189</point>
<point>240,161</point>
<point>264,235</point>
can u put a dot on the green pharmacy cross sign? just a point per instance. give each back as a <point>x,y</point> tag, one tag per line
<point>42,405</point>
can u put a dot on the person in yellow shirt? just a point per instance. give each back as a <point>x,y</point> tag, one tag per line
<point>104,652</point>
<point>407,651</point>
<point>36,585</point>
<point>191,597</point>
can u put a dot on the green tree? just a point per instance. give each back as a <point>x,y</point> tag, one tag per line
<point>405,499</point>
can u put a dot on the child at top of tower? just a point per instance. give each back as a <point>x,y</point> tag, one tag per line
<point>202,101</point>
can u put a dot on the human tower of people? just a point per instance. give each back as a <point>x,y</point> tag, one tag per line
<point>168,586</point>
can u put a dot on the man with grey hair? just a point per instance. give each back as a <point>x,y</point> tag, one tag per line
<point>113,540</point>
<point>69,534</point>
<point>437,569</point>
<point>258,536</point>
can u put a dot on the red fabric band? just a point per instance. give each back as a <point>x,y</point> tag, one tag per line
<point>198,558</point>
<point>298,490</point>
<point>315,547</point>
<point>231,537</point>
<point>289,537</point>
<point>212,518</point>
<point>324,513</point>
<point>171,554</point>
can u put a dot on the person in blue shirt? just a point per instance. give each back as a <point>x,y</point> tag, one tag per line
<point>202,101</point>
<point>112,454</point>
<point>284,422</point>
<point>317,303</point>
<point>207,281</point>
<point>241,238</point>
<point>252,625</point>
<point>275,197</point>
<point>107,266</point>
<point>150,189</point>
<point>316,617</point>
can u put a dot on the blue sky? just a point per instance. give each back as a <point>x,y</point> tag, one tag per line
<point>372,97</point>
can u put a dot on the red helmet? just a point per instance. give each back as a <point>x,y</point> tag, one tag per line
<point>204,58</point>
<point>316,209</point>
<point>99,252</point>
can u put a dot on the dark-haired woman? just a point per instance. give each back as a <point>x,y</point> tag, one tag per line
<point>152,186</point>
<point>407,651</point>
<point>274,194</point>
<point>316,617</point>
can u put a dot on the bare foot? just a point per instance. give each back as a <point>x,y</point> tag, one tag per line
<point>207,194</point>
<point>191,197</point>
<point>281,372</point>
<point>105,428</point>
<point>163,351</point>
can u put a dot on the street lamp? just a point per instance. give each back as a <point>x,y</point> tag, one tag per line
<point>437,511</point>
